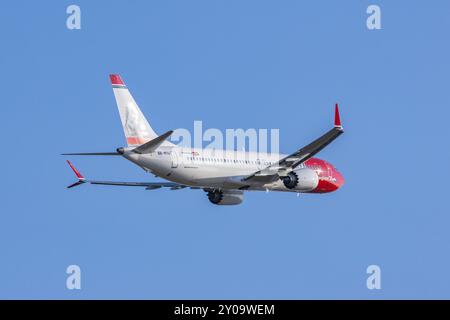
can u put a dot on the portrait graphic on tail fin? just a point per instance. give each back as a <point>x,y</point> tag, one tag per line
<point>135,126</point>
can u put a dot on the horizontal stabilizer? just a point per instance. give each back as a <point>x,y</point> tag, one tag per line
<point>152,145</point>
<point>92,154</point>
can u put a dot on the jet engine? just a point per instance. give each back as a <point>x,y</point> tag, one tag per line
<point>227,197</point>
<point>303,179</point>
<point>291,180</point>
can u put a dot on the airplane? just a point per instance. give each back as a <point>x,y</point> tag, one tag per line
<point>223,174</point>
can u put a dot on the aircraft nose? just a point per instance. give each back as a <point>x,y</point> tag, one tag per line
<point>339,179</point>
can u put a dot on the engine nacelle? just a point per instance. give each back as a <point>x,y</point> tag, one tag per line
<point>302,180</point>
<point>291,180</point>
<point>228,197</point>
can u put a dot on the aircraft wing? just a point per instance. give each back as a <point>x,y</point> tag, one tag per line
<point>274,171</point>
<point>147,185</point>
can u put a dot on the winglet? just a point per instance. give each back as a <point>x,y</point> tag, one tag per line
<point>337,118</point>
<point>80,177</point>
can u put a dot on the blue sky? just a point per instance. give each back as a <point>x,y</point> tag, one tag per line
<point>231,64</point>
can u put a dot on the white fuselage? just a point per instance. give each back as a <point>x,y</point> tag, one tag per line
<point>208,168</point>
